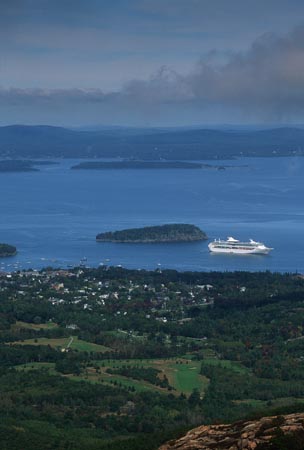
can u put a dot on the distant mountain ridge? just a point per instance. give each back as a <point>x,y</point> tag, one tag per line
<point>22,141</point>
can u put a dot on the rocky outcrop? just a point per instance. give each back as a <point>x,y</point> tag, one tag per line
<point>237,436</point>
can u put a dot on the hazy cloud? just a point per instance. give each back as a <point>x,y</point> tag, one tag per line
<point>266,81</point>
<point>17,96</point>
<point>268,77</point>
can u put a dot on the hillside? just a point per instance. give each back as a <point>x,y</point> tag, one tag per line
<point>276,432</point>
<point>47,141</point>
<point>116,359</point>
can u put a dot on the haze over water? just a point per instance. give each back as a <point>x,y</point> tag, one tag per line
<point>53,215</point>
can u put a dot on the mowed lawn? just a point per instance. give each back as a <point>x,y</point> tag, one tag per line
<point>73,342</point>
<point>185,376</point>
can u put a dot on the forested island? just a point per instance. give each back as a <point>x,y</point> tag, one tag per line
<point>100,165</point>
<point>7,250</point>
<point>179,232</point>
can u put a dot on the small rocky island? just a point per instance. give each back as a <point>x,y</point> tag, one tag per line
<point>179,232</point>
<point>7,250</point>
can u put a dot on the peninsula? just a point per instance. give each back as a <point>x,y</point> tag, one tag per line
<point>7,250</point>
<point>18,165</point>
<point>179,232</point>
<point>12,165</point>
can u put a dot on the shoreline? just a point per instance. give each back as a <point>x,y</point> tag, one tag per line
<point>105,267</point>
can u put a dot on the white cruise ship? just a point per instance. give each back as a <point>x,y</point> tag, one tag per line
<point>234,246</point>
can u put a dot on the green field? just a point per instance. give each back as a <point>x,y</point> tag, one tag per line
<point>63,343</point>
<point>90,375</point>
<point>34,326</point>
<point>183,374</point>
<point>116,380</point>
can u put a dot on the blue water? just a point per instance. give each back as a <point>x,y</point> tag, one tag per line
<point>53,216</point>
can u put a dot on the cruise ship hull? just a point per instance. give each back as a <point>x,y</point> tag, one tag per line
<point>239,251</point>
<point>233,246</point>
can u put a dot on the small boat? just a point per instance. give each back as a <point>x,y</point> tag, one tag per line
<point>83,262</point>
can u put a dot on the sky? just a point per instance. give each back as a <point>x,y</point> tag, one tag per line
<point>151,62</point>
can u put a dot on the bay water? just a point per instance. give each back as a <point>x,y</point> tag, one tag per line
<point>53,215</point>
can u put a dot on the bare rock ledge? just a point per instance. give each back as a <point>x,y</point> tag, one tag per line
<point>237,436</point>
